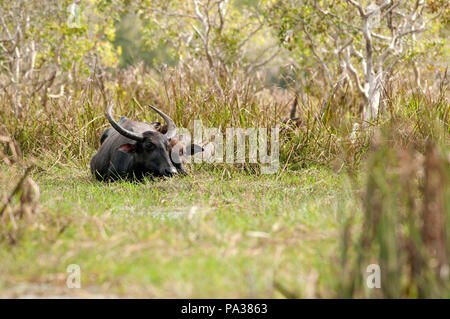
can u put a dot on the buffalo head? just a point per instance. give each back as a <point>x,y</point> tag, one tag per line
<point>179,147</point>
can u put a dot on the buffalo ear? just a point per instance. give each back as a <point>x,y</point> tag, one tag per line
<point>196,149</point>
<point>157,125</point>
<point>127,147</point>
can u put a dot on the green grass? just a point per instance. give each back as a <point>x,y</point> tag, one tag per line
<point>198,236</point>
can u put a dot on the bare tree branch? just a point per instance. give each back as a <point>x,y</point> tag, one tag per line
<point>264,62</point>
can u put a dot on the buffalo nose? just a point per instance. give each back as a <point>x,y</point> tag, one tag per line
<point>171,171</point>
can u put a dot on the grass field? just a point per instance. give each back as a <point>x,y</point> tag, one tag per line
<point>199,236</point>
<point>357,207</point>
<point>334,207</point>
<point>341,200</point>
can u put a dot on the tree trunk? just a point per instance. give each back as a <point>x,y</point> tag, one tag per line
<point>373,102</point>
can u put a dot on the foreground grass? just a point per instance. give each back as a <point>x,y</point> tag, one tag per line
<point>205,235</point>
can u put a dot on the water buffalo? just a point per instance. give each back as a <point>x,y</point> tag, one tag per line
<point>131,149</point>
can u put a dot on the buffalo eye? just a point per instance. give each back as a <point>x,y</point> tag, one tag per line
<point>150,146</point>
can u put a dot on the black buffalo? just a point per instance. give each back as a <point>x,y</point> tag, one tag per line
<point>131,149</point>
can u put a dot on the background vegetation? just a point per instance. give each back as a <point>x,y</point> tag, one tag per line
<point>364,173</point>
